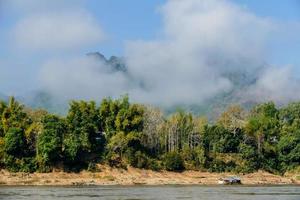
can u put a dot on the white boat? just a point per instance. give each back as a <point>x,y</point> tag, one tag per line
<point>229,181</point>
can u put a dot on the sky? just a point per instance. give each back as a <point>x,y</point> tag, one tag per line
<point>43,44</point>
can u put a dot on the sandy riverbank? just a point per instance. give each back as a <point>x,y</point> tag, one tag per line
<point>132,176</point>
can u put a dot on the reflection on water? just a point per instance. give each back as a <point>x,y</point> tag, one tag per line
<point>152,192</point>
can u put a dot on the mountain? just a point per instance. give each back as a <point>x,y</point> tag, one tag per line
<point>114,62</point>
<point>44,100</point>
<point>212,107</point>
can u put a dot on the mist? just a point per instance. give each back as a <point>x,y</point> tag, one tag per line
<point>200,46</point>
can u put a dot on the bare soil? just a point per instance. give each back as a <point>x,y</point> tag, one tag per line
<point>132,176</point>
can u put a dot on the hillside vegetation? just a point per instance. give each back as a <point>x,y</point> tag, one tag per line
<point>122,134</point>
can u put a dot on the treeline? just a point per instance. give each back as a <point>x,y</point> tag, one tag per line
<point>121,134</point>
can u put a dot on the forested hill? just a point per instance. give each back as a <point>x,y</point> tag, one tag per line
<point>121,134</point>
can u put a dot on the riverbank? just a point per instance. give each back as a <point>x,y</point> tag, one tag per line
<point>132,176</point>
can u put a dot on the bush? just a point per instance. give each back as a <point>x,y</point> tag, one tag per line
<point>194,158</point>
<point>136,158</point>
<point>115,160</point>
<point>141,160</point>
<point>154,165</point>
<point>173,161</point>
<point>26,164</point>
<point>217,166</point>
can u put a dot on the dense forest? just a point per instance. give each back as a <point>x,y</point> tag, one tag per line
<point>122,134</point>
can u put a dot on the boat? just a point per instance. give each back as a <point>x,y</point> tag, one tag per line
<point>229,180</point>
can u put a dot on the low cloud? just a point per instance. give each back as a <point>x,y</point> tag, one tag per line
<point>275,84</point>
<point>203,42</point>
<point>82,78</point>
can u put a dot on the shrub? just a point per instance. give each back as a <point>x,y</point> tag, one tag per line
<point>141,160</point>
<point>217,166</point>
<point>26,164</point>
<point>194,158</point>
<point>115,160</point>
<point>173,161</point>
<point>154,165</point>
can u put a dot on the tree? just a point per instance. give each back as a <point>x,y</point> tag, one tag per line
<point>84,139</point>
<point>31,135</point>
<point>153,123</point>
<point>108,111</point>
<point>15,142</point>
<point>178,130</point>
<point>289,143</point>
<point>3,107</point>
<point>289,151</point>
<point>49,142</point>
<point>234,119</point>
<point>130,118</point>
<point>219,140</point>
<point>13,116</point>
<point>263,128</point>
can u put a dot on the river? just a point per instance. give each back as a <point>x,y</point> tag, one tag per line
<point>151,192</point>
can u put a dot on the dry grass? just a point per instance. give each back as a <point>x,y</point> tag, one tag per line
<point>132,176</point>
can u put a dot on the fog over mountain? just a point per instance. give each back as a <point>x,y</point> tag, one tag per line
<point>55,100</point>
<point>207,55</point>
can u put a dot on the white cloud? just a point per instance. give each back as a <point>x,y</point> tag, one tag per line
<point>275,84</point>
<point>57,31</point>
<point>203,40</point>
<point>82,78</point>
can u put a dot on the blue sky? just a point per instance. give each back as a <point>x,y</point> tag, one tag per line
<point>135,19</point>
<point>120,22</point>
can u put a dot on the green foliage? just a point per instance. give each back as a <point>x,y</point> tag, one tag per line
<point>154,164</point>
<point>289,150</point>
<point>25,164</point>
<point>138,159</point>
<point>249,156</point>
<point>84,136</point>
<point>13,116</point>
<point>49,143</point>
<point>109,110</point>
<point>121,134</point>
<point>72,148</point>
<point>218,139</point>
<point>15,142</point>
<point>130,118</point>
<point>194,158</point>
<point>173,161</point>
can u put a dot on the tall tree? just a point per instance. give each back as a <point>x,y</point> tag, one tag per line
<point>49,142</point>
<point>152,129</point>
<point>263,128</point>
<point>84,134</point>
<point>13,115</point>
